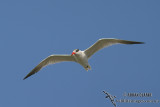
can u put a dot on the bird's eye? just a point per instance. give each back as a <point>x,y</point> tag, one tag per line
<point>77,50</point>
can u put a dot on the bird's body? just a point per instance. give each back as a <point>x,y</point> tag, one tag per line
<point>82,59</point>
<point>79,56</point>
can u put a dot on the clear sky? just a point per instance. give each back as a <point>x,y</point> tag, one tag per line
<point>31,30</point>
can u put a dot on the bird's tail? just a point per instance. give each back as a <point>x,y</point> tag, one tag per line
<point>88,68</point>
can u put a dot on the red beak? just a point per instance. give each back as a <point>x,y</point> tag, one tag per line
<point>73,53</point>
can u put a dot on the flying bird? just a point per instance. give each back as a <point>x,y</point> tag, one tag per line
<point>110,97</point>
<point>79,56</point>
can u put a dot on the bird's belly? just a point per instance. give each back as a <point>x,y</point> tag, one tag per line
<point>82,60</point>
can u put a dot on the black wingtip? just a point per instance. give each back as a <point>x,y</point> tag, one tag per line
<point>139,42</point>
<point>136,42</point>
<point>31,73</point>
<point>132,42</point>
<point>25,77</point>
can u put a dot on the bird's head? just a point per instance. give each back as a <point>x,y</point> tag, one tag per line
<point>75,51</point>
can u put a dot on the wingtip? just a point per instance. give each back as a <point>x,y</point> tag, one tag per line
<point>134,42</point>
<point>25,78</point>
<point>140,42</point>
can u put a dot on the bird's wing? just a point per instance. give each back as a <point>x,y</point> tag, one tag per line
<point>50,60</point>
<point>112,100</point>
<point>105,42</point>
<point>113,103</point>
<point>106,93</point>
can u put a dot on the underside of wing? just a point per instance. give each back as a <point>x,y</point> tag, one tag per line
<point>102,43</point>
<point>113,103</point>
<point>50,60</point>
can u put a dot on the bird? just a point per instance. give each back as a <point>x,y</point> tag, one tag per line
<point>110,97</point>
<point>80,56</point>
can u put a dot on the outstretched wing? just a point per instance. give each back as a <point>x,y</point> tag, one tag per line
<point>105,42</point>
<point>50,60</point>
<point>106,93</point>
<point>113,103</point>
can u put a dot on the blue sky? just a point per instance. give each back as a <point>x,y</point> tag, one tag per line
<point>31,30</point>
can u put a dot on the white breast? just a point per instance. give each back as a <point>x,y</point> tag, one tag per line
<point>81,58</point>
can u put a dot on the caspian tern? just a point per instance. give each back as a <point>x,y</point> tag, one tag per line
<point>79,56</point>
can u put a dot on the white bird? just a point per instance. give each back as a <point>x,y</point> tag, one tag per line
<point>79,56</point>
